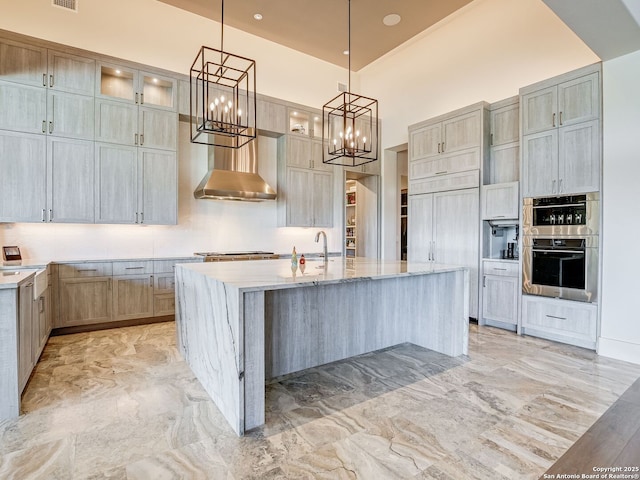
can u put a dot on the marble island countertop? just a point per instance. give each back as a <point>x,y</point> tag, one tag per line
<point>256,275</point>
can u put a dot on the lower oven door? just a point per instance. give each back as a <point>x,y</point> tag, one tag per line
<point>561,267</point>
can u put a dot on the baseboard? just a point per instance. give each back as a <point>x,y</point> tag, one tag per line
<point>107,325</point>
<point>629,352</point>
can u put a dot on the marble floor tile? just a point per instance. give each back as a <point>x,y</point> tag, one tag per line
<point>122,404</point>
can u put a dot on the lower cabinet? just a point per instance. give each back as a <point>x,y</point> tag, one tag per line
<point>132,297</point>
<point>41,323</point>
<point>25,334</point>
<point>564,321</point>
<point>84,301</point>
<point>500,294</point>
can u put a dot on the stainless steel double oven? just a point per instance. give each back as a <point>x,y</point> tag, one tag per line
<point>560,246</point>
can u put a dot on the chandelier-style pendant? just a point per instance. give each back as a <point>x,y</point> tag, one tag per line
<point>350,130</point>
<point>223,99</point>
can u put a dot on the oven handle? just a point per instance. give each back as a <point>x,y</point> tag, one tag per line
<point>557,251</point>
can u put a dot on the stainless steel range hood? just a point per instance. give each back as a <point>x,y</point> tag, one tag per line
<point>233,175</point>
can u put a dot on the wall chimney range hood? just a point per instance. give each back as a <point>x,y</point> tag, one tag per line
<point>233,175</point>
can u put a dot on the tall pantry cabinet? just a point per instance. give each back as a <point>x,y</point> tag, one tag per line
<point>445,162</point>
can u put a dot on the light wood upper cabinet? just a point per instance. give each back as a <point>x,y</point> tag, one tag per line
<point>540,163</point>
<point>159,187</point>
<point>71,73</point>
<point>450,135</point>
<point>271,116</point>
<point>24,108</point>
<point>500,201</point>
<point>579,158</point>
<point>116,122</point>
<point>116,183</point>
<point>505,125</point>
<point>307,198</point>
<point>70,116</point>
<point>23,63</point>
<point>567,103</point>
<point>18,178</point>
<point>70,180</point>
<point>158,129</point>
<point>425,141</point>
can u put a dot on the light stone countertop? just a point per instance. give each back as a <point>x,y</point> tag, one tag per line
<point>256,275</point>
<point>13,278</point>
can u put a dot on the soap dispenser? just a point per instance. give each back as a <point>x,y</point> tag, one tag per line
<point>294,260</point>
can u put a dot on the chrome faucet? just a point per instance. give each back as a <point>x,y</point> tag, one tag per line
<point>324,248</point>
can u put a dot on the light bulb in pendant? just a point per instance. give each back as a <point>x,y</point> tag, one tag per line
<point>221,98</point>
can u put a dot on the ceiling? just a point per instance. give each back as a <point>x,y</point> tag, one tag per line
<point>320,27</point>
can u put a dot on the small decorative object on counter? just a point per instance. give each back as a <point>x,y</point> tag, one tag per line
<point>294,260</point>
<point>302,263</point>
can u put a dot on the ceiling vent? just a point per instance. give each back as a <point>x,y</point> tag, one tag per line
<point>66,4</point>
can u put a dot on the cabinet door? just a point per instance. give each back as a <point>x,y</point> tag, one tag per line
<point>38,332</point>
<point>71,73</point>
<point>539,110</point>
<point>298,151</point>
<point>504,165</point>
<point>70,115</point>
<point>116,184</point>
<point>316,158</point>
<point>579,100</point>
<point>461,161</point>
<point>420,228</point>
<point>461,132</point>
<point>158,129</point>
<point>23,108</point>
<point>158,91</point>
<point>425,141</point>
<point>132,297</point>
<point>159,187</point>
<point>540,164</point>
<point>500,201</point>
<point>579,158</point>
<point>500,299</point>
<point>25,334</point>
<point>23,190</point>
<point>22,63</point>
<point>456,235</point>
<point>505,125</point>
<point>84,301</point>
<point>70,180</point>
<point>322,188</point>
<point>117,82</point>
<point>299,198</point>
<point>116,122</point>
<point>271,117</point>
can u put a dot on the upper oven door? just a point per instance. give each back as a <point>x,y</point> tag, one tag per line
<point>573,215</point>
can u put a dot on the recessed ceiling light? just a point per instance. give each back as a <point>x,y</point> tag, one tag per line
<point>257,16</point>
<point>346,52</point>
<point>391,19</point>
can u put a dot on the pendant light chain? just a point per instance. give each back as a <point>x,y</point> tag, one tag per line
<point>222,32</point>
<point>349,44</point>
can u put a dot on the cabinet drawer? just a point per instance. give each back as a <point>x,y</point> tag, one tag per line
<point>507,269</point>
<point>168,266</point>
<point>445,164</point>
<point>456,181</point>
<point>95,269</point>
<point>561,320</point>
<point>133,268</point>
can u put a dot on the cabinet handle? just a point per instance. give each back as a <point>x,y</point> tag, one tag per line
<point>557,318</point>
<point>50,127</point>
<point>553,120</point>
<point>500,269</point>
<point>441,173</point>
<point>433,255</point>
<point>438,147</point>
<point>136,97</point>
<point>135,139</point>
<point>41,301</point>
<point>133,268</point>
<point>151,280</point>
<point>50,215</point>
<point>43,214</point>
<point>44,126</point>
<point>142,99</point>
<point>484,281</point>
<point>44,79</point>
<point>142,139</point>
<point>491,139</point>
<point>560,118</point>
<point>136,217</point>
<point>87,270</point>
<point>50,81</point>
<point>141,217</point>
<point>442,147</point>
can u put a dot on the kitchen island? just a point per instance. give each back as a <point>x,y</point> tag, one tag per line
<point>242,323</point>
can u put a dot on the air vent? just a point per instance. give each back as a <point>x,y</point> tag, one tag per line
<point>66,4</point>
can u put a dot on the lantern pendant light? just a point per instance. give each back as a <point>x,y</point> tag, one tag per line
<point>222,97</point>
<point>350,125</point>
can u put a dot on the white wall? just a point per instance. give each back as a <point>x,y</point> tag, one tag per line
<point>620,327</point>
<point>485,51</point>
